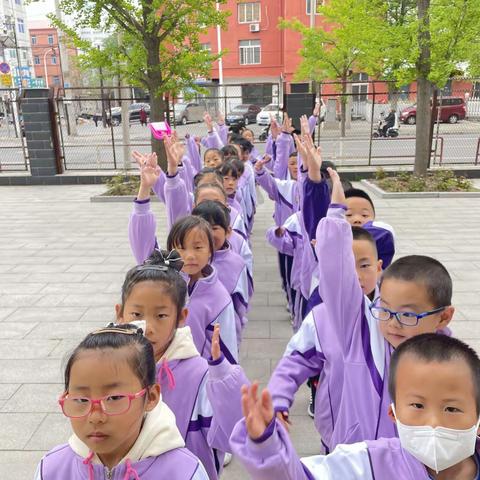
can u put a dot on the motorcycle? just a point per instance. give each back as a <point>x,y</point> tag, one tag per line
<point>392,132</point>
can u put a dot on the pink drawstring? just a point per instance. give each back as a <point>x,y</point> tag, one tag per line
<point>130,471</point>
<point>88,461</point>
<point>170,377</point>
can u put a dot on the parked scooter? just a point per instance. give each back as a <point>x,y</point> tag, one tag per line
<point>392,132</point>
<point>264,134</point>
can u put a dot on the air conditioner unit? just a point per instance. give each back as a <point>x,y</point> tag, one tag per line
<point>254,27</point>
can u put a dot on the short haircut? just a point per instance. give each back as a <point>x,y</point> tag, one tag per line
<point>435,347</point>
<point>239,164</point>
<point>213,186</point>
<point>207,172</point>
<point>115,337</point>
<point>245,145</point>
<point>360,233</point>
<point>163,267</point>
<point>214,213</point>
<point>425,271</point>
<point>229,168</point>
<point>216,150</point>
<point>229,151</point>
<point>293,154</point>
<point>356,192</point>
<point>181,228</point>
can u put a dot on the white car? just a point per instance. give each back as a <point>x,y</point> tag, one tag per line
<point>263,117</point>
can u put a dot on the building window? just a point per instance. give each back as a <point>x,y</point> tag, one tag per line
<point>36,60</point>
<point>50,39</point>
<point>249,12</point>
<point>56,80</point>
<point>316,4</point>
<point>54,59</point>
<point>13,54</point>
<point>21,25</point>
<point>206,46</point>
<point>249,52</point>
<point>18,2</point>
<point>34,39</point>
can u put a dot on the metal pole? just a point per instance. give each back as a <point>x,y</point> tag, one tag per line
<point>371,126</point>
<point>45,66</point>
<point>220,63</point>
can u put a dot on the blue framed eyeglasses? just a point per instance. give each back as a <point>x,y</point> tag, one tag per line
<point>409,319</point>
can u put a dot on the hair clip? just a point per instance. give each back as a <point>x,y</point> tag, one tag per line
<point>112,328</point>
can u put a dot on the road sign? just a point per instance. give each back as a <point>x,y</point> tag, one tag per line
<point>4,68</point>
<point>5,80</point>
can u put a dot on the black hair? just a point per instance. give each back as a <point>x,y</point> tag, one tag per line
<point>204,172</point>
<point>346,184</point>
<point>181,228</point>
<point>115,337</point>
<point>214,213</point>
<point>239,164</point>
<point>356,192</point>
<point>360,233</point>
<point>435,347</point>
<point>293,154</point>
<point>425,271</point>
<point>229,151</point>
<point>213,150</point>
<point>205,186</point>
<point>229,168</point>
<point>160,266</point>
<point>245,145</point>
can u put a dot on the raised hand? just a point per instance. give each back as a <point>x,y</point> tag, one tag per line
<point>338,195</point>
<point>287,124</point>
<point>259,164</point>
<point>208,121</point>
<point>316,109</point>
<point>258,412</point>
<point>172,155</point>
<point>274,127</point>
<point>220,118</point>
<point>301,149</point>
<point>149,173</point>
<point>304,126</point>
<point>215,351</point>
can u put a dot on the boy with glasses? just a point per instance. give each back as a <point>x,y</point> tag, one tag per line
<point>350,337</point>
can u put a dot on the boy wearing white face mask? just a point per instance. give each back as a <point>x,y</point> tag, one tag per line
<point>435,387</point>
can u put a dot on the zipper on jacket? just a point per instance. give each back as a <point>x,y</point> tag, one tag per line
<point>109,473</point>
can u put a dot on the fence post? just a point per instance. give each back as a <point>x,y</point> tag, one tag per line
<point>112,132</point>
<point>371,126</point>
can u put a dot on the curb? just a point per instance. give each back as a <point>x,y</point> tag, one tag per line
<point>383,194</point>
<point>117,198</point>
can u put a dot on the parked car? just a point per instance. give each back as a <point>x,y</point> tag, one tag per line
<point>187,112</point>
<point>264,116</point>
<point>133,113</point>
<point>242,115</point>
<point>453,109</point>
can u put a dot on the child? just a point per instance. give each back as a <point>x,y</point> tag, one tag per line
<point>349,338</point>
<point>122,429</point>
<point>231,175</point>
<point>434,385</point>
<point>154,294</point>
<point>231,268</point>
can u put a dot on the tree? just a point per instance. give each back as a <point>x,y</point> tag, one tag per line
<point>348,41</point>
<point>159,47</point>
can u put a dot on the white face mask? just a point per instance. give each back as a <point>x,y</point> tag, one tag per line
<point>438,448</point>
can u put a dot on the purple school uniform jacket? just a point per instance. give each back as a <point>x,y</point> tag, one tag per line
<point>342,342</point>
<point>273,457</point>
<point>233,274</point>
<point>188,401</point>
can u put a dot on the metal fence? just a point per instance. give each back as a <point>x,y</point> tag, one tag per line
<point>455,136</point>
<point>14,154</point>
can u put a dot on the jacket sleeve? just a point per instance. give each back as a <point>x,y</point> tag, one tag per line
<point>316,199</point>
<point>194,154</point>
<point>212,140</point>
<point>283,148</point>
<point>177,199</point>
<point>223,133</point>
<point>159,187</point>
<point>224,392</point>
<point>228,333</point>
<point>267,182</point>
<point>312,123</point>
<point>303,358</point>
<point>338,282</point>
<point>283,244</point>
<point>141,231</point>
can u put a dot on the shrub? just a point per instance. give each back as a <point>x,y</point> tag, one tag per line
<point>120,185</point>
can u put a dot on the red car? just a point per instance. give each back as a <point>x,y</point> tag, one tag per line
<point>453,109</point>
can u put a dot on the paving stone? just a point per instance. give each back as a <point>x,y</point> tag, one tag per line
<point>7,390</point>
<point>62,330</point>
<point>17,429</point>
<point>54,430</point>
<point>36,398</point>
<point>47,314</point>
<point>26,349</point>
<point>16,330</point>
<point>6,312</point>
<point>19,464</point>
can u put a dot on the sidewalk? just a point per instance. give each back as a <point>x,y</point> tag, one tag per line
<point>63,259</point>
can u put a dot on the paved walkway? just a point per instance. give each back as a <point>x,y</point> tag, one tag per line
<point>62,261</point>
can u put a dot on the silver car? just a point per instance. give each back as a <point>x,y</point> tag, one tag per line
<point>188,112</point>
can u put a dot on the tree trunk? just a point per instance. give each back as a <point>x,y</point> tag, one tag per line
<point>343,107</point>
<point>157,114</point>
<point>424,90</point>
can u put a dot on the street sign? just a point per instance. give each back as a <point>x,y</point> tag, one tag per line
<point>5,80</point>
<point>4,68</point>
